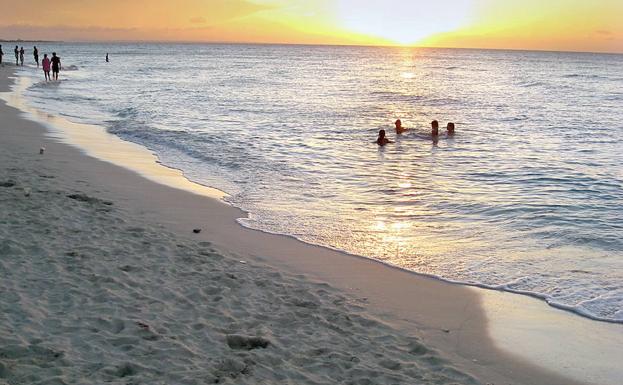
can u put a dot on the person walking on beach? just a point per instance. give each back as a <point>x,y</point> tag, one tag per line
<point>21,56</point>
<point>45,63</point>
<point>35,53</point>
<point>56,65</point>
<point>16,55</point>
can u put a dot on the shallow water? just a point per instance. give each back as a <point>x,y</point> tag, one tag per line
<point>526,197</point>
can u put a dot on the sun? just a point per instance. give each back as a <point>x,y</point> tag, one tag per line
<point>402,21</point>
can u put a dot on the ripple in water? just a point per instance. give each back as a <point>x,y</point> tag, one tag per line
<point>526,197</point>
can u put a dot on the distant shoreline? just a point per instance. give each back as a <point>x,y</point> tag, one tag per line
<point>185,42</point>
<point>31,41</point>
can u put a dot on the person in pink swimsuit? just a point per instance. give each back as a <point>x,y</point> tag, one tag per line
<point>45,63</point>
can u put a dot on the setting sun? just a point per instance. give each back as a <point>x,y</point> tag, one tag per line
<point>403,22</point>
<point>569,25</point>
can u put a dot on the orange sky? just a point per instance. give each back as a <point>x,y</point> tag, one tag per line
<point>518,24</point>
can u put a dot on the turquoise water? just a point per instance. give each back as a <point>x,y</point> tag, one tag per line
<point>526,197</point>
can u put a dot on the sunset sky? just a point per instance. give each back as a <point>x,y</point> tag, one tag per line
<point>518,24</point>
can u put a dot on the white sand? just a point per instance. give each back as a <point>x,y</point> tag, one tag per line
<point>90,296</point>
<point>102,280</point>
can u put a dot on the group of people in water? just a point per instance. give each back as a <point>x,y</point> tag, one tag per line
<point>52,64</point>
<point>434,134</point>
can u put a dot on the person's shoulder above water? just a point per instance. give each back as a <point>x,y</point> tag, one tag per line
<point>382,139</point>
<point>399,128</point>
<point>434,132</point>
<point>450,128</point>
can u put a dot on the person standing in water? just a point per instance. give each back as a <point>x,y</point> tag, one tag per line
<point>56,65</point>
<point>16,50</point>
<point>434,133</point>
<point>1,54</point>
<point>21,56</point>
<point>35,54</point>
<point>106,57</point>
<point>45,63</point>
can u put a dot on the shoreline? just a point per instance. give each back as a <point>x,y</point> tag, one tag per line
<point>95,141</point>
<point>423,306</point>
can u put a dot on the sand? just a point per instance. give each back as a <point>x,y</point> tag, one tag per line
<point>103,280</point>
<point>91,296</point>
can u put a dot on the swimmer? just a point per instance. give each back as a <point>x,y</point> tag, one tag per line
<point>450,129</point>
<point>434,129</point>
<point>399,128</point>
<point>382,140</point>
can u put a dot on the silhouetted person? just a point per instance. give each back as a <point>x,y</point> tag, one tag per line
<point>35,54</point>
<point>16,55</point>
<point>399,128</point>
<point>434,132</point>
<point>56,65</point>
<point>1,54</point>
<point>45,63</point>
<point>450,128</point>
<point>382,140</point>
<point>107,58</point>
<point>21,55</point>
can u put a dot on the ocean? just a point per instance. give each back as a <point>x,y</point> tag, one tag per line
<point>527,197</point>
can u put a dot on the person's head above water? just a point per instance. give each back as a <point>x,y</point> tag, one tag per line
<point>435,128</point>
<point>382,140</point>
<point>450,128</point>
<point>399,128</point>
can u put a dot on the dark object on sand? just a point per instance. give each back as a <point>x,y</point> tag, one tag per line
<point>196,231</point>
<point>239,342</point>
<point>88,199</point>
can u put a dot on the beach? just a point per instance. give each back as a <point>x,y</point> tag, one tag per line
<point>104,279</point>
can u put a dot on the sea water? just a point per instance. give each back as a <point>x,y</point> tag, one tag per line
<point>527,196</point>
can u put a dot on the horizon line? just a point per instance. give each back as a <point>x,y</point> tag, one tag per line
<point>189,42</point>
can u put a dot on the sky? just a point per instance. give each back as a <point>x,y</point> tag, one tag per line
<point>565,25</point>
